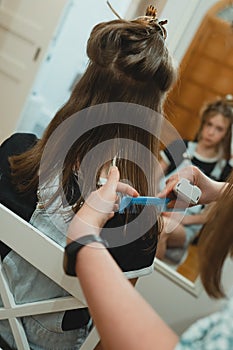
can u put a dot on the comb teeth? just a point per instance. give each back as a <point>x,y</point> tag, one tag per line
<point>151,11</point>
<point>127,202</point>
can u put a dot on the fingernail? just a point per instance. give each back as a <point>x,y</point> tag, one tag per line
<point>112,169</point>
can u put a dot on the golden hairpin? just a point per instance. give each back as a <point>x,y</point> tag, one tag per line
<point>151,17</point>
<point>151,12</point>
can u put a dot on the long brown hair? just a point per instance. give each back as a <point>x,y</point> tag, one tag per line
<point>128,62</point>
<point>223,106</point>
<point>216,242</point>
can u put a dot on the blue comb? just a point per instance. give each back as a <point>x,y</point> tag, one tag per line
<point>160,203</point>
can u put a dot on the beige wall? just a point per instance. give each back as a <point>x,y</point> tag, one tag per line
<point>177,306</point>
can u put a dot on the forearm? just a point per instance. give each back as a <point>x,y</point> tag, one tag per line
<point>123,319</point>
<point>117,308</point>
<point>195,219</point>
<point>212,188</point>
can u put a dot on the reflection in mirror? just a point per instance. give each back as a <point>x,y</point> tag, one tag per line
<point>194,86</point>
<point>205,70</point>
<point>205,74</point>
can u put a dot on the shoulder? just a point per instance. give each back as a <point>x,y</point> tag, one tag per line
<point>176,147</point>
<point>173,153</point>
<point>19,141</point>
<point>226,172</point>
<point>16,144</point>
<point>210,332</point>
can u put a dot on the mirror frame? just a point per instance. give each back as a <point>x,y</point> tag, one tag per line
<point>194,288</point>
<point>196,10</point>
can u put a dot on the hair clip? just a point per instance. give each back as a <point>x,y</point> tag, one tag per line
<point>161,24</point>
<point>151,17</point>
<point>229,97</point>
<point>151,12</point>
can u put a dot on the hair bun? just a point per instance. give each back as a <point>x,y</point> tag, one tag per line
<point>134,48</point>
<point>103,44</point>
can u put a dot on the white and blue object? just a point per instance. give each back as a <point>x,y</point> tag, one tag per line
<point>184,190</point>
<point>187,192</point>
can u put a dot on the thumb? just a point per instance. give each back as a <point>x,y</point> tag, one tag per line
<point>113,178</point>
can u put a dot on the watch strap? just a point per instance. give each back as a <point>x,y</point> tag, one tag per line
<point>72,249</point>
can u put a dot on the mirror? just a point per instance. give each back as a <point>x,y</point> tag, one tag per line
<point>205,73</point>
<point>184,22</point>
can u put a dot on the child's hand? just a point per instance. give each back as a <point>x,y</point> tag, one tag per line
<point>210,189</point>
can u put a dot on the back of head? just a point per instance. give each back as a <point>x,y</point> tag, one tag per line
<point>129,62</point>
<point>132,50</point>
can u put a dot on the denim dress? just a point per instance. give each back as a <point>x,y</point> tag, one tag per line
<point>44,331</point>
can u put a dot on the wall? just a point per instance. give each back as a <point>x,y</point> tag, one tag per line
<point>175,305</point>
<point>183,22</point>
<point>65,61</point>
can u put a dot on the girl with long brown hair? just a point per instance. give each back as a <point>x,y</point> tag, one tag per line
<point>112,114</point>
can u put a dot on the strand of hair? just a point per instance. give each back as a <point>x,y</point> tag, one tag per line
<point>112,9</point>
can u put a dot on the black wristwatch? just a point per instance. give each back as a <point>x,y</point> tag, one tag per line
<point>72,249</point>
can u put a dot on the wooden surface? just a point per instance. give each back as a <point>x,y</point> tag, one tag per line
<point>189,268</point>
<point>206,72</point>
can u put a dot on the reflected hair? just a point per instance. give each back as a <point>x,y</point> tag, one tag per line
<point>216,242</point>
<point>223,106</point>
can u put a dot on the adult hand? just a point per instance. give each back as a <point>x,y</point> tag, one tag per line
<point>99,207</point>
<point>210,188</point>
